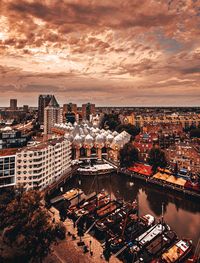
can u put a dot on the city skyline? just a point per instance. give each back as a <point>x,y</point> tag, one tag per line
<point>136,53</point>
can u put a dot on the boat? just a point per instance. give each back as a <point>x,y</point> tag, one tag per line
<point>177,253</point>
<point>96,169</point>
<point>90,207</point>
<point>130,229</point>
<point>149,235</point>
<point>114,218</point>
<point>159,244</point>
<point>107,209</point>
<point>74,209</point>
<point>69,196</point>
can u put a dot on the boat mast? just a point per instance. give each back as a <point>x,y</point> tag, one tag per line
<point>97,190</point>
<point>110,189</point>
<point>162,224</point>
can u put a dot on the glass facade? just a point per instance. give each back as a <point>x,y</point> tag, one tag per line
<point>7,171</point>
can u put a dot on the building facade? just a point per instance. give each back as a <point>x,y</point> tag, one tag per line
<point>43,102</point>
<point>185,155</point>
<point>52,115</point>
<point>88,110</point>
<point>13,104</point>
<point>7,168</point>
<point>40,165</point>
<point>10,138</point>
<point>88,141</point>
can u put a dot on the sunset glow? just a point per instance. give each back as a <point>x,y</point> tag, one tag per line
<point>110,52</point>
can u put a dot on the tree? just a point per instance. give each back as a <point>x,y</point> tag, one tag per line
<point>131,129</point>
<point>27,229</point>
<point>195,133</point>
<point>110,121</point>
<point>157,158</point>
<point>128,155</point>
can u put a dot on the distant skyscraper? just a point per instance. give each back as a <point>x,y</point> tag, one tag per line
<point>69,109</point>
<point>87,110</point>
<point>43,101</point>
<point>52,115</point>
<point>13,104</point>
<point>25,108</point>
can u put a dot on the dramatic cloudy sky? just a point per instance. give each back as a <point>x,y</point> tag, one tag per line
<point>111,52</point>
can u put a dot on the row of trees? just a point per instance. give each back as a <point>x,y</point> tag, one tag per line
<point>129,155</point>
<point>26,228</point>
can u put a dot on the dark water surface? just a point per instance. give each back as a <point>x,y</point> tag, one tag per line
<point>181,213</point>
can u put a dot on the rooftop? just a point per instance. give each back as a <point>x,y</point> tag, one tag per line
<point>7,152</point>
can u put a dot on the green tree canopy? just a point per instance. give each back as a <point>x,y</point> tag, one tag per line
<point>157,158</point>
<point>26,228</point>
<point>128,155</point>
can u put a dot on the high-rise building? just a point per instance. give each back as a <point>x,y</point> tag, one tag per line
<point>52,115</point>
<point>70,107</point>
<point>69,112</point>
<point>13,104</point>
<point>25,108</point>
<point>43,102</point>
<point>87,110</point>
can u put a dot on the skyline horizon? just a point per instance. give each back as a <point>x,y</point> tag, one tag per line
<point>7,105</point>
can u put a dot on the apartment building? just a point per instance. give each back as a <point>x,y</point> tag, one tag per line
<point>40,165</point>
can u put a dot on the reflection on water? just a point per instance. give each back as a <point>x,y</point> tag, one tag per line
<point>181,213</point>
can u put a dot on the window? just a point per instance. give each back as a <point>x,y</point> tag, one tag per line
<point>12,159</point>
<point>6,160</point>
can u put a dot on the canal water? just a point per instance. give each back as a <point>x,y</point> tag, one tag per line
<point>180,212</point>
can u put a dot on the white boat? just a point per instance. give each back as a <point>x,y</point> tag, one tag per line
<point>148,236</point>
<point>96,169</point>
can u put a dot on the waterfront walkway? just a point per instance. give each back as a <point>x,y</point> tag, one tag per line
<point>67,251</point>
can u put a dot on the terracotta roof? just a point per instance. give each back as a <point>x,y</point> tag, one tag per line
<point>141,169</point>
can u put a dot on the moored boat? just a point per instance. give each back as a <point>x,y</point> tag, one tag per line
<point>131,230</point>
<point>177,253</point>
<point>69,196</point>
<point>114,218</point>
<point>90,207</point>
<point>108,209</point>
<point>159,244</point>
<point>96,169</point>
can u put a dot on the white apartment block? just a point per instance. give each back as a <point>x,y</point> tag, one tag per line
<point>40,165</point>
